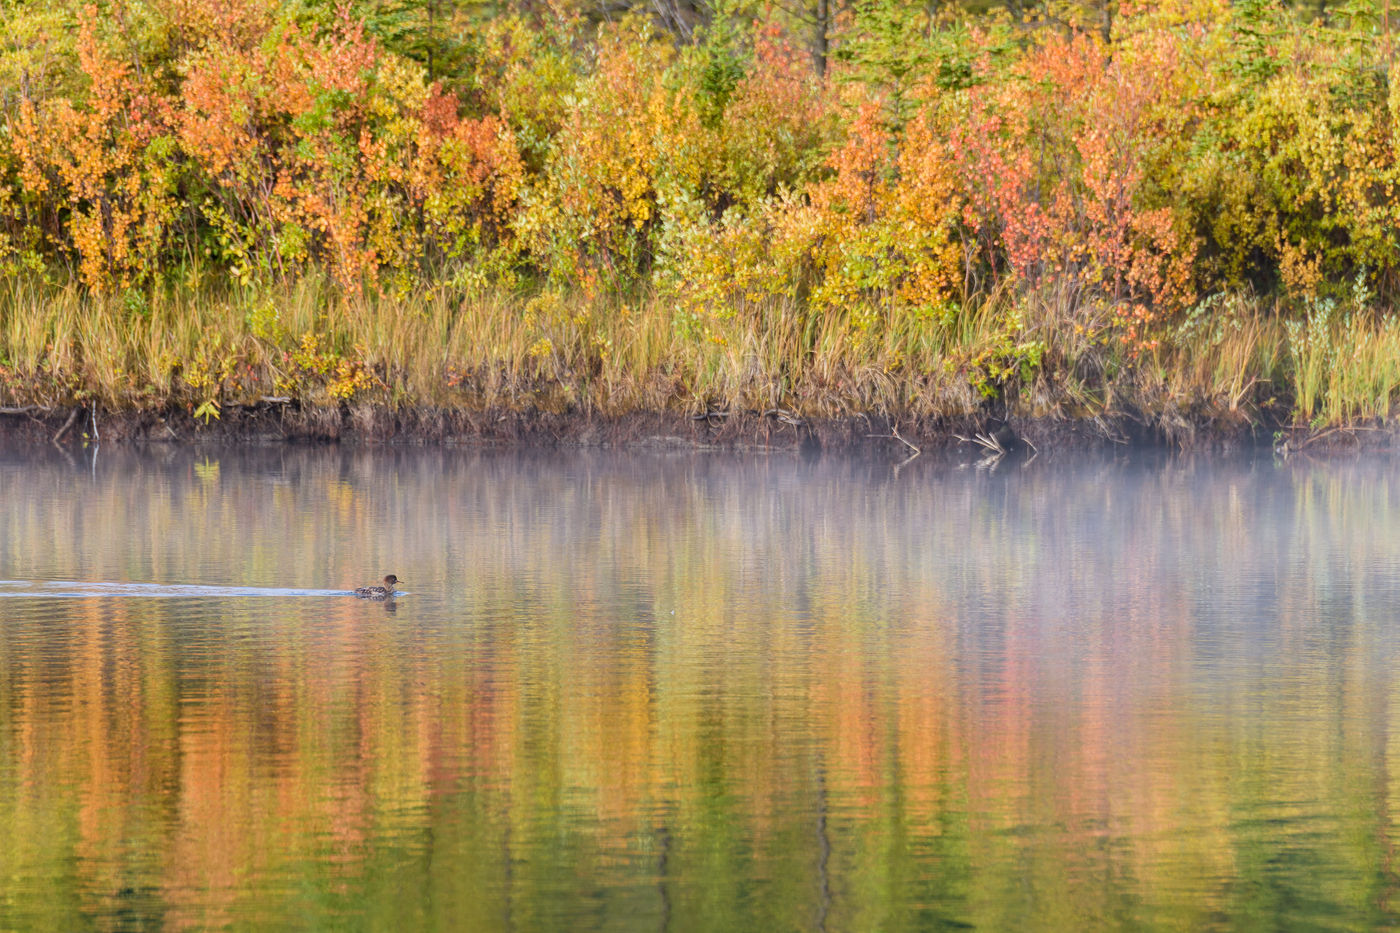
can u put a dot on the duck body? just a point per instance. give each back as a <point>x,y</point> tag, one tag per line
<point>378,592</point>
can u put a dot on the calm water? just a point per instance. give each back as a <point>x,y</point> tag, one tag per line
<point>696,692</point>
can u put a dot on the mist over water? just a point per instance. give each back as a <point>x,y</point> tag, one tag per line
<point>696,691</point>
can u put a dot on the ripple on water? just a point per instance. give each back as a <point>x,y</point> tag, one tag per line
<point>65,589</point>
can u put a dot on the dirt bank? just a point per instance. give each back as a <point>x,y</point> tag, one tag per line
<point>373,424</point>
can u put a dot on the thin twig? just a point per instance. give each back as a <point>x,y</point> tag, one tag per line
<point>1349,429</point>
<point>1235,399</point>
<point>73,416</point>
<point>905,462</point>
<point>1108,432</point>
<point>985,441</point>
<point>894,435</point>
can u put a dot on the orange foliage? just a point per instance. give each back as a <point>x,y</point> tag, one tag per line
<point>322,148</point>
<point>287,146</point>
<point>884,220</point>
<point>103,163</point>
<point>1056,171</point>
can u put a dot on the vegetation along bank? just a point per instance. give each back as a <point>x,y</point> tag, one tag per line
<point>723,221</point>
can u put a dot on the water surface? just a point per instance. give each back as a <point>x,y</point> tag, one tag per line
<point>696,692</point>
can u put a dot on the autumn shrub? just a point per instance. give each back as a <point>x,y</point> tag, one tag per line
<point>1289,163</point>
<point>728,241</point>
<point>774,128</point>
<point>271,147</point>
<point>623,147</point>
<point>526,73</point>
<point>1059,171</point>
<point>322,149</point>
<point>102,168</point>
<point>869,240</point>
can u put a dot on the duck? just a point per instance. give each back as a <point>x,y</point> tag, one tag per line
<point>378,592</point>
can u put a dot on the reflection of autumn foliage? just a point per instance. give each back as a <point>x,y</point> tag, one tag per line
<point>750,692</point>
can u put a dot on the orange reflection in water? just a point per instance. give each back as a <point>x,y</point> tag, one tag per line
<point>698,693</point>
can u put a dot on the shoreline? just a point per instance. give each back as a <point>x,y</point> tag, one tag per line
<point>289,422</point>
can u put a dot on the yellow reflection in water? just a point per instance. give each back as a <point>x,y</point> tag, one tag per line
<point>697,694</point>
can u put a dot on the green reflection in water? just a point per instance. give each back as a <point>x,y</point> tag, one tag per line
<point>691,693</point>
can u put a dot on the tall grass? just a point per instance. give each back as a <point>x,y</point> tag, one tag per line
<point>440,346</point>
<point>1047,353</point>
<point>1346,365</point>
<point>1229,355</point>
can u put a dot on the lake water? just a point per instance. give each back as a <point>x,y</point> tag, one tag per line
<point>696,692</point>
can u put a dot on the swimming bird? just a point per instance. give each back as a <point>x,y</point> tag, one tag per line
<point>378,592</point>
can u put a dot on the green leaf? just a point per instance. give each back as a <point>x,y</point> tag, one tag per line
<point>210,409</point>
